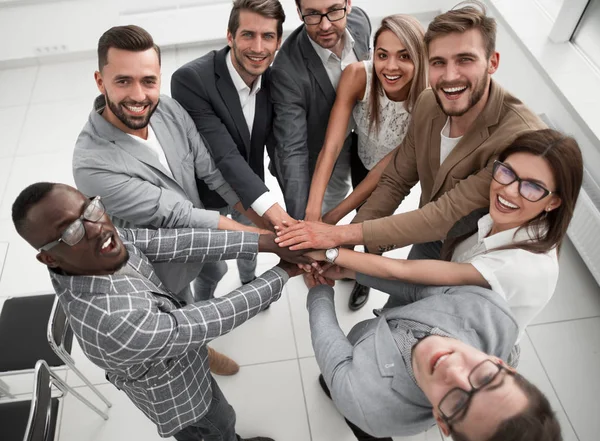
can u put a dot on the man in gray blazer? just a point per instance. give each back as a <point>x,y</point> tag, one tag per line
<point>444,355</point>
<point>142,153</point>
<point>226,93</point>
<point>128,322</point>
<point>304,79</point>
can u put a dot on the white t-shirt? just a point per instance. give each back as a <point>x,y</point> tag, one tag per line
<point>154,145</point>
<point>526,280</point>
<point>447,144</point>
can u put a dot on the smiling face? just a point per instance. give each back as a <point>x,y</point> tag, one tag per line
<point>327,34</point>
<point>254,45</point>
<point>99,252</point>
<point>508,208</point>
<point>393,66</point>
<point>441,364</point>
<point>459,72</point>
<point>130,82</point>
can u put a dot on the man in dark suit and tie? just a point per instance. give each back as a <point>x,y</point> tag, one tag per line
<point>226,93</point>
<point>304,79</point>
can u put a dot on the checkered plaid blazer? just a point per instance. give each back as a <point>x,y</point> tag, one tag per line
<point>150,346</point>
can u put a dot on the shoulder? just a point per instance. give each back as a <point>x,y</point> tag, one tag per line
<point>170,111</point>
<point>202,66</point>
<point>359,19</point>
<point>516,115</point>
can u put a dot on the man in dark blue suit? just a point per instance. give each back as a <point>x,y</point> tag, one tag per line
<point>226,93</point>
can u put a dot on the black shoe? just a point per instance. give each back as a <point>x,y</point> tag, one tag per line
<point>324,386</point>
<point>358,297</point>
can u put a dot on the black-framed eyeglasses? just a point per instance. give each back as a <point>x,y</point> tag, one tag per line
<point>457,400</point>
<point>315,18</point>
<point>73,234</point>
<point>530,190</point>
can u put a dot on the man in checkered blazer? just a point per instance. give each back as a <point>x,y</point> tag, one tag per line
<point>151,346</point>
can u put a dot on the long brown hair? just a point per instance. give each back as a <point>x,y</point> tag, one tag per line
<point>410,32</point>
<point>564,158</point>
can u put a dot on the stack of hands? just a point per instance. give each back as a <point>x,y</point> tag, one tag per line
<point>301,247</point>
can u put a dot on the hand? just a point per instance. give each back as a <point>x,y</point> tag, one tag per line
<point>266,243</point>
<point>314,278</point>
<point>276,216</point>
<point>335,272</point>
<point>305,235</point>
<point>292,269</point>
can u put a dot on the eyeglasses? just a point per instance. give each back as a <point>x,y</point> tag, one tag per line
<point>530,190</point>
<point>315,18</point>
<point>457,400</point>
<point>73,234</point>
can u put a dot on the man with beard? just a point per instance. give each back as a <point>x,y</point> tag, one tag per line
<point>304,80</point>
<point>128,323</point>
<point>226,93</point>
<point>142,154</point>
<point>458,128</point>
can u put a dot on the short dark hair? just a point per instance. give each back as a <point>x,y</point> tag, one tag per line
<point>130,38</point>
<point>26,200</point>
<point>537,422</point>
<point>458,20</point>
<point>266,8</point>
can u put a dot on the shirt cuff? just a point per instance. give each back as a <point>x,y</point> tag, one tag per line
<point>263,203</point>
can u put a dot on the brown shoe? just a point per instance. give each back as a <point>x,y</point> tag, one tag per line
<point>221,364</point>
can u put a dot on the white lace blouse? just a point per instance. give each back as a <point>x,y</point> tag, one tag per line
<point>393,123</point>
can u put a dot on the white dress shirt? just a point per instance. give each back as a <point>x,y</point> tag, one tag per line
<point>248,103</point>
<point>333,64</point>
<point>526,280</point>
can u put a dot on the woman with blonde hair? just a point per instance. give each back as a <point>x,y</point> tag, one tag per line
<point>380,95</point>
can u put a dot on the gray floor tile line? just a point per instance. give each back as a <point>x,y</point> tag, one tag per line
<point>552,385</point>
<point>563,321</point>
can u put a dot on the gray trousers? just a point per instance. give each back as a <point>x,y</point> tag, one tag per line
<point>339,183</point>
<point>218,424</point>
<point>246,268</point>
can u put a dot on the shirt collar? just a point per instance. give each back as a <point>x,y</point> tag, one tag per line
<point>503,238</point>
<point>238,82</point>
<point>325,54</point>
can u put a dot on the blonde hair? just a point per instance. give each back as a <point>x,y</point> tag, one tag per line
<point>411,33</point>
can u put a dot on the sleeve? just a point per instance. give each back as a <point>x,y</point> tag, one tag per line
<point>187,88</point>
<point>204,164</point>
<point>145,333</point>
<point>290,135</point>
<point>432,221</point>
<point>396,182</point>
<point>525,280</point>
<point>136,200</point>
<point>183,245</point>
<point>334,353</point>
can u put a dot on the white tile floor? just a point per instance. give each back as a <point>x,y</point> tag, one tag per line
<point>276,393</point>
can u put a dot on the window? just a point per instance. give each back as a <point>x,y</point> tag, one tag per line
<point>587,33</point>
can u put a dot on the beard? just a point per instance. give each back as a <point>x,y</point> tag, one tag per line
<point>474,98</point>
<point>131,122</point>
<point>241,61</point>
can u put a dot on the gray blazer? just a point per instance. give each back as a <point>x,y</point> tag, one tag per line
<point>153,349</point>
<point>137,190</point>
<point>367,372</point>
<point>303,96</point>
<point>205,89</point>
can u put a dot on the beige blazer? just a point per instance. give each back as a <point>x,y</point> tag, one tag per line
<point>450,191</point>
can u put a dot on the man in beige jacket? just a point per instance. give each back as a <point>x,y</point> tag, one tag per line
<point>458,128</point>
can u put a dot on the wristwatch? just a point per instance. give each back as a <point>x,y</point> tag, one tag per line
<point>331,254</point>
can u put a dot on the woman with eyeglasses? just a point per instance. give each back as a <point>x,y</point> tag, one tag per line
<point>513,252</point>
<point>379,96</point>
